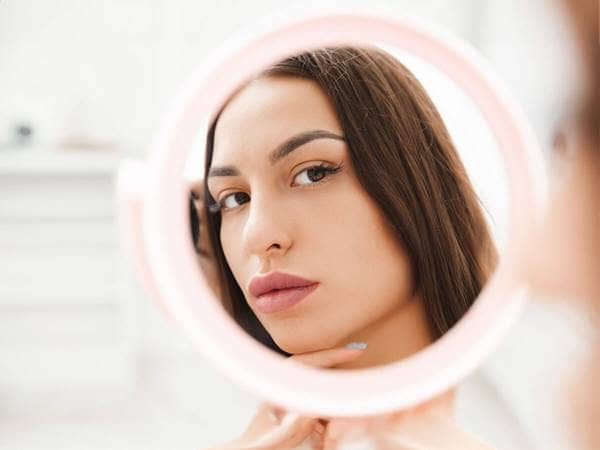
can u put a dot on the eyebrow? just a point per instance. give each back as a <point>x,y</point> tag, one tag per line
<point>281,151</point>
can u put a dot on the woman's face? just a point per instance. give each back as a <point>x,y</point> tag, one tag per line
<point>278,214</point>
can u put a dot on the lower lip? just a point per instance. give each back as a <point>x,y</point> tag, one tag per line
<point>282,299</point>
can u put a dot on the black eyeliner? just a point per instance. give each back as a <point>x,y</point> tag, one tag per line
<point>216,207</point>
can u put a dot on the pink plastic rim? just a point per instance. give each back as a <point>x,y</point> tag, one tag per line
<point>192,304</point>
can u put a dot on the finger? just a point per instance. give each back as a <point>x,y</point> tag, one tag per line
<point>330,357</point>
<point>343,430</point>
<point>320,426</point>
<point>265,418</point>
<point>332,435</point>
<point>291,432</point>
<point>316,441</point>
<point>347,434</point>
<point>303,429</point>
<point>356,432</point>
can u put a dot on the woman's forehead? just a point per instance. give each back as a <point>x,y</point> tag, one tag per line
<point>268,111</point>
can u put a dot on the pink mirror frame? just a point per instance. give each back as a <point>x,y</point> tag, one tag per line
<point>158,222</point>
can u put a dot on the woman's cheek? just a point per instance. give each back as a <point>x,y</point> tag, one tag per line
<point>231,249</point>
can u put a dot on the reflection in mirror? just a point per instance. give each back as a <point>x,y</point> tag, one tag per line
<point>334,208</point>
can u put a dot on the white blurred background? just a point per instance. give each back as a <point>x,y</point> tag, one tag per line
<point>86,360</point>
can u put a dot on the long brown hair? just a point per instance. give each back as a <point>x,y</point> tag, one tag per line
<point>405,160</point>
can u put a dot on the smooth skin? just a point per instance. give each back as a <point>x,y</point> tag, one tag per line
<point>286,216</point>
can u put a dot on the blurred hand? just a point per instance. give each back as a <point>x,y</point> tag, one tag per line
<point>429,426</point>
<point>276,429</point>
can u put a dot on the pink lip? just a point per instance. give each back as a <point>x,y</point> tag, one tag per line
<point>282,299</point>
<point>278,291</point>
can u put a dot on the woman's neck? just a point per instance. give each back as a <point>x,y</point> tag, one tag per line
<point>397,335</point>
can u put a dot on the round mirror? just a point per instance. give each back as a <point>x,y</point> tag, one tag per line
<point>341,179</point>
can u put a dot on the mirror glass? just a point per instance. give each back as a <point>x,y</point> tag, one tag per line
<point>348,196</point>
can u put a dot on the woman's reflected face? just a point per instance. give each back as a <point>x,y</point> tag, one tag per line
<point>291,202</point>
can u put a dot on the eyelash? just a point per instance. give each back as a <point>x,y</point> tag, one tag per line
<point>322,168</point>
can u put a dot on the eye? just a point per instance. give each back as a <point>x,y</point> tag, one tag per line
<point>233,200</point>
<point>308,176</point>
<point>315,174</point>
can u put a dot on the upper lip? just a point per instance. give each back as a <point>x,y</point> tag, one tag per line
<point>261,284</point>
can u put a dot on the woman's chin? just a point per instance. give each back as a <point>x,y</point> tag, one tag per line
<point>294,346</point>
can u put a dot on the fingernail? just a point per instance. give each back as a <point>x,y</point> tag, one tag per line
<point>357,345</point>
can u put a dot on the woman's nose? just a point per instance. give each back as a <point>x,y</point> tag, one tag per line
<point>267,231</point>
